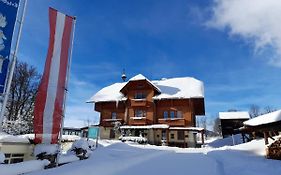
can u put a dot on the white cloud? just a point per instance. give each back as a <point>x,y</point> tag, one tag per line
<point>256,21</point>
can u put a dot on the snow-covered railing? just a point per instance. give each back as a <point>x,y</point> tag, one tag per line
<point>133,139</point>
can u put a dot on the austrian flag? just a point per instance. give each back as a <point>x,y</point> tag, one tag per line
<point>49,102</point>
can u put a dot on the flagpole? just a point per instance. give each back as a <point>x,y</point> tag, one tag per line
<point>12,67</point>
<point>66,89</point>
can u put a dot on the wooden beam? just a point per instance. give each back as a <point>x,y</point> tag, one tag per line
<point>265,137</point>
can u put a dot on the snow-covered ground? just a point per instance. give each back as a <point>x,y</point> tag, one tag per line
<point>117,158</point>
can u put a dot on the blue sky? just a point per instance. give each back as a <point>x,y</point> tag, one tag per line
<point>167,38</point>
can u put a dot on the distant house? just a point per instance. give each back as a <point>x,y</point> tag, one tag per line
<point>230,121</point>
<point>161,111</point>
<point>72,131</point>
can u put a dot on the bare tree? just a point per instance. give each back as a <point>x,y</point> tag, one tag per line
<point>217,126</point>
<point>254,111</point>
<point>19,109</point>
<point>268,109</point>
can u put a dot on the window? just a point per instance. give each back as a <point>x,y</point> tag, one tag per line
<point>113,115</point>
<point>172,136</point>
<point>179,114</point>
<point>172,114</point>
<point>140,113</point>
<point>13,158</point>
<point>165,114</point>
<point>140,95</point>
<point>180,135</point>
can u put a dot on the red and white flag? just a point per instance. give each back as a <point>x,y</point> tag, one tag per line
<point>49,102</point>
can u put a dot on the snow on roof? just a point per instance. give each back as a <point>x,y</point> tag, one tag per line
<point>109,93</point>
<point>141,77</point>
<point>185,87</point>
<point>4,137</point>
<point>160,126</point>
<point>173,88</point>
<point>234,115</point>
<point>138,77</point>
<point>264,119</point>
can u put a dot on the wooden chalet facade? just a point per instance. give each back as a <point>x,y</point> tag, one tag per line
<point>162,111</point>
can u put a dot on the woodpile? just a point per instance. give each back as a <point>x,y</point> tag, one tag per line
<point>273,151</point>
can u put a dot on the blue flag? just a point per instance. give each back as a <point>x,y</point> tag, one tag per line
<point>8,15</point>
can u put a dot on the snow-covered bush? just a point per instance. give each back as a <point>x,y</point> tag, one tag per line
<point>47,151</point>
<point>2,157</point>
<point>83,148</point>
<point>140,140</point>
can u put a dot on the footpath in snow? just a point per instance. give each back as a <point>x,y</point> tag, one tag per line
<point>130,159</point>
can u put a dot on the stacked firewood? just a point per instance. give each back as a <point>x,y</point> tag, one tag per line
<point>274,150</point>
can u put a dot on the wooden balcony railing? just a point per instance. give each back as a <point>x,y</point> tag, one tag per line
<point>172,121</point>
<point>139,102</point>
<point>110,122</point>
<point>139,121</point>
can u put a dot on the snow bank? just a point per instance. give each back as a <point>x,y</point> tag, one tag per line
<point>49,149</point>
<point>125,159</point>
<point>225,141</point>
<point>234,115</point>
<point>23,167</point>
<point>66,158</point>
<point>265,119</point>
<point>2,157</point>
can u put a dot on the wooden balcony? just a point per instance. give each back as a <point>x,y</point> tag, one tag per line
<point>172,121</point>
<point>139,102</point>
<point>110,122</point>
<point>139,121</point>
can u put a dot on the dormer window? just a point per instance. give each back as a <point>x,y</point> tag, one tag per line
<point>140,95</point>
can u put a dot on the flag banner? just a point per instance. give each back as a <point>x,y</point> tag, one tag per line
<point>49,102</point>
<point>93,132</point>
<point>8,15</point>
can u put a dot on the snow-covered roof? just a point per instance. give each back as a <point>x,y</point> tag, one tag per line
<point>141,77</point>
<point>4,137</point>
<point>173,88</point>
<point>234,115</point>
<point>264,119</point>
<point>109,93</point>
<point>185,87</point>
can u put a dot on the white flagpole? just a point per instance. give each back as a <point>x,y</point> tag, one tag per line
<point>66,90</point>
<point>12,67</point>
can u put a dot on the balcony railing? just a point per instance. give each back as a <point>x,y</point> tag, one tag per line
<point>139,121</point>
<point>139,102</point>
<point>172,121</point>
<point>110,122</point>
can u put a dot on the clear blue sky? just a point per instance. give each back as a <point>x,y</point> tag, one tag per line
<point>167,38</point>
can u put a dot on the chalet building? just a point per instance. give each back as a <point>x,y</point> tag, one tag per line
<point>231,121</point>
<point>161,111</point>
